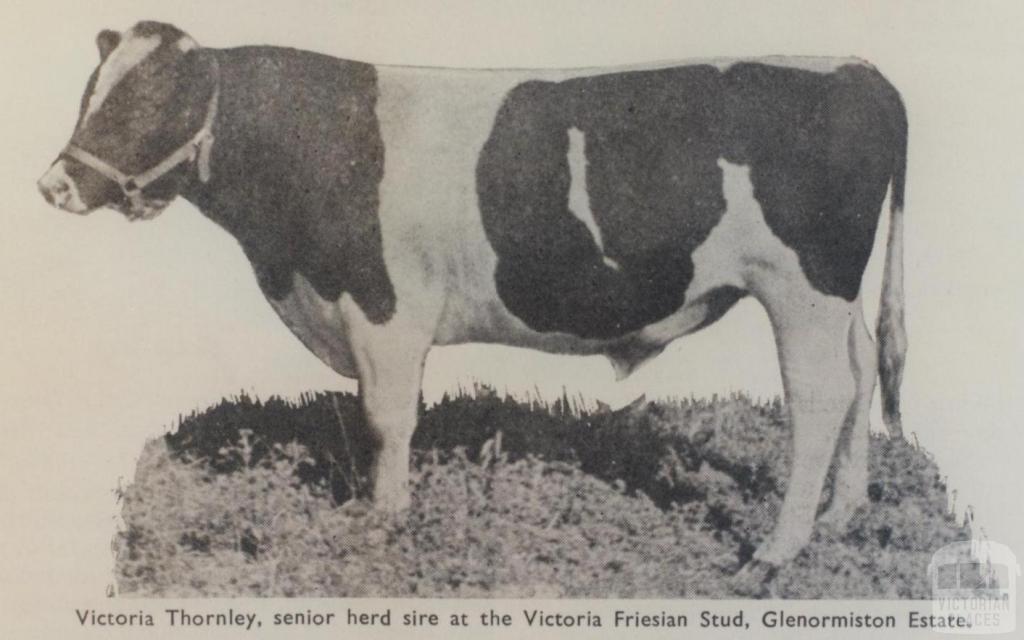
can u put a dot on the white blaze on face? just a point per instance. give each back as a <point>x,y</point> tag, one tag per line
<point>129,52</point>
<point>579,199</point>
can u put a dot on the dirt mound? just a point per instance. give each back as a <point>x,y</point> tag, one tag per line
<point>512,499</point>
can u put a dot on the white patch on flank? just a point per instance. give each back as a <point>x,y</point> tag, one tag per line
<point>579,199</point>
<point>740,248</point>
<point>131,51</point>
<point>740,237</point>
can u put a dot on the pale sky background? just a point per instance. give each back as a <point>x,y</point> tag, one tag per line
<point>110,329</point>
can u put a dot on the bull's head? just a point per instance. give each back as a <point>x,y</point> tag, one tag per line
<point>145,125</point>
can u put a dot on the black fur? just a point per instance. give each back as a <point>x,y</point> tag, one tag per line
<point>297,163</point>
<point>821,149</point>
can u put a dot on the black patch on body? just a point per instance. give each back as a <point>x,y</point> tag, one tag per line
<point>821,147</point>
<point>297,163</point>
<point>653,185</point>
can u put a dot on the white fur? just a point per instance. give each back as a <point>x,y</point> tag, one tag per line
<point>62,188</point>
<point>579,199</point>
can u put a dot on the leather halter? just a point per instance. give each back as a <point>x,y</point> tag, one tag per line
<point>197,149</point>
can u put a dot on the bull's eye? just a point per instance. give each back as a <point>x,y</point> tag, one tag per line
<point>130,185</point>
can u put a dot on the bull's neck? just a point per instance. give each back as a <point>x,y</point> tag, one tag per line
<point>238,131</point>
<point>295,169</point>
<point>271,144</point>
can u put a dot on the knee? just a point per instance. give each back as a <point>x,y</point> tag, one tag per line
<point>388,412</point>
<point>391,433</point>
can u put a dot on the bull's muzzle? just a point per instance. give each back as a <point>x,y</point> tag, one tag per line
<point>60,190</point>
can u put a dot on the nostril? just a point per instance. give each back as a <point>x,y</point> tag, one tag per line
<point>46,191</point>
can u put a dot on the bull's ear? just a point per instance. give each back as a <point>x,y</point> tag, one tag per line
<point>106,41</point>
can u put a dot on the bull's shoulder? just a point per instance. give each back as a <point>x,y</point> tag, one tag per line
<point>298,160</point>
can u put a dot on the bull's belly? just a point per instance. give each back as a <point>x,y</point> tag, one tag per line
<point>738,250</point>
<point>323,327</point>
<point>625,353</point>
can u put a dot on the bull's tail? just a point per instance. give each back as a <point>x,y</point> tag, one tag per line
<point>891,332</point>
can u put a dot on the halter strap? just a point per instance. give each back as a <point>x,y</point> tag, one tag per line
<point>196,149</point>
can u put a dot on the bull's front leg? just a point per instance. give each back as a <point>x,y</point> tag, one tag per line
<point>390,359</point>
<point>390,397</point>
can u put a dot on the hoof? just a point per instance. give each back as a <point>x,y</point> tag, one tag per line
<point>356,507</point>
<point>754,579</point>
<point>393,504</point>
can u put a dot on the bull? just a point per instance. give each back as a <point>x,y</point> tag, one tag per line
<point>385,210</point>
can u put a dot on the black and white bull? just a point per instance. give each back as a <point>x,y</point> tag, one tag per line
<point>389,209</point>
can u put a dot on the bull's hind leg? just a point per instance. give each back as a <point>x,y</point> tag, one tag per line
<point>390,361</point>
<point>812,332</point>
<point>850,482</point>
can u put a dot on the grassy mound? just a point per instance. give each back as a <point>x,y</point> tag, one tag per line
<point>510,499</point>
